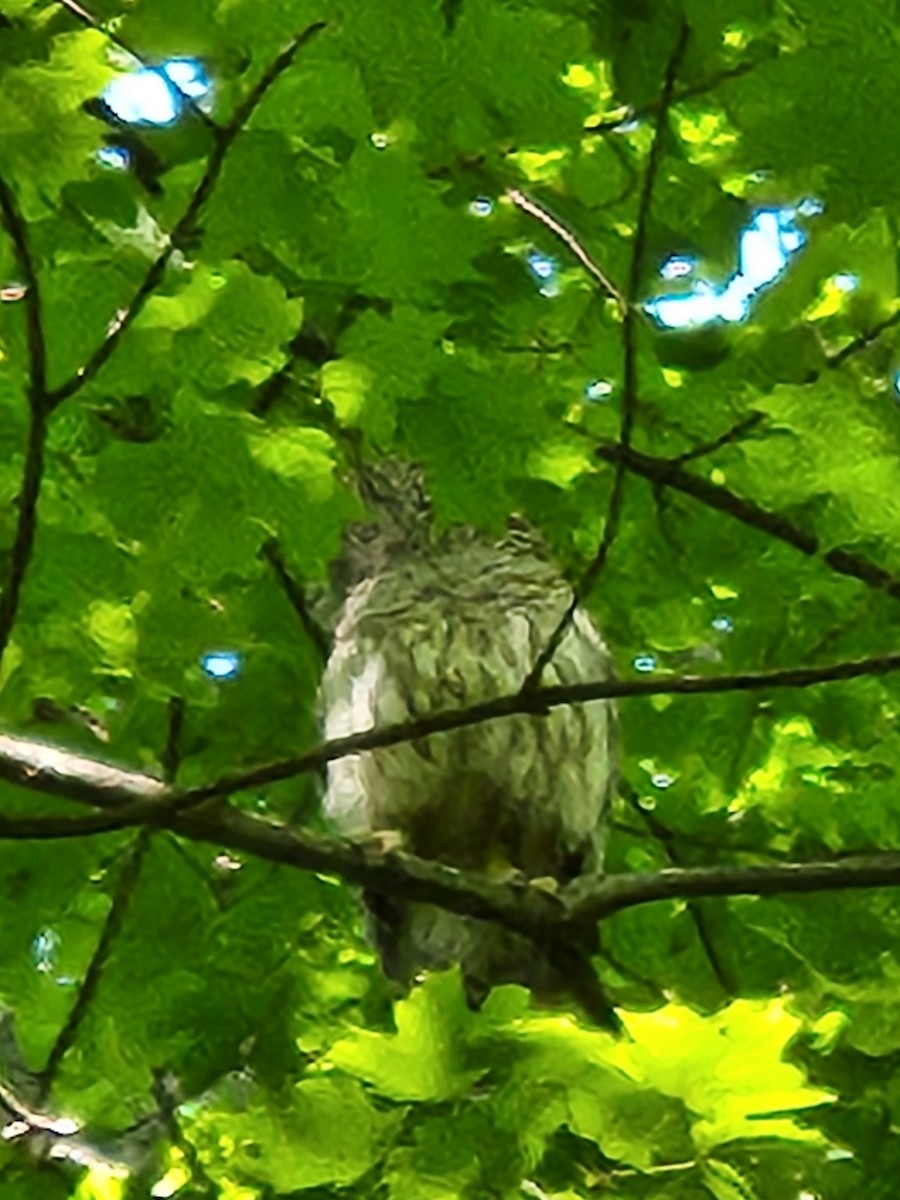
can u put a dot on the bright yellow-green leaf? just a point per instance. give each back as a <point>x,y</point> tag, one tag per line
<point>345,384</point>
<point>539,166</point>
<point>425,1058</point>
<point>114,628</point>
<point>103,1182</point>
<point>560,463</point>
<point>578,76</point>
<point>304,455</point>
<point>729,1069</point>
<point>188,306</point>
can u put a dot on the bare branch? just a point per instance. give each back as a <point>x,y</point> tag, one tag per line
<point>54,772</point>
<point>65,1038</point>
<point>137,798</point>
<point>524,907</point>
<point>597,899</point>
<point>294,592</point>
<point>26,519</point>
<point>668,473</point>
<point>171,750</point>
<point>630,317</point>
<point>738,431</point>
<point>669,842</point>
<point>47,829</point>
<point>862,342</point>
<point>17,229</point>
<point>535,703</point>
<point>685,93</point>
<point>565,235</point>
<point>517,905</point>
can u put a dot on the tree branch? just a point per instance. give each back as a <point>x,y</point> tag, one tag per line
<point>685,93</point>
<point>47,829</point>
<point>17,229</point>
<point>738,431</point>
<point>602,897</point>
<point>670,847</point>
<point>519,905</point>
<point>631,315</point>
<point>318,637</point>
<point>140,798</point>
<point>566,236</point>
<point>68,1032</point>
<point>26,520</point>
<point>668,473</point>
<point>861,342</point>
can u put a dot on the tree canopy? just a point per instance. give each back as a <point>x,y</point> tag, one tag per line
<point>628,269</point>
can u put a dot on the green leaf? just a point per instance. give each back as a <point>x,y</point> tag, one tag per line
<point>729,1070</point>
<point>426,1058</point>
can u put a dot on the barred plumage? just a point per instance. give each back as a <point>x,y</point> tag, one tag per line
<point>432,621</point>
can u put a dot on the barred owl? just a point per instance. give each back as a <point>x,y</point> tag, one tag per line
<point>432,620</point>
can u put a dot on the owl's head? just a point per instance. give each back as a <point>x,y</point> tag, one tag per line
<point>397,520</point>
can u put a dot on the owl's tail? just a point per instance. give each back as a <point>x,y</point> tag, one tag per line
<point>414,937</point>
<point>570,959</point>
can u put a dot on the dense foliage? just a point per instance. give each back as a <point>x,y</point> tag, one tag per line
<point>443,229</point>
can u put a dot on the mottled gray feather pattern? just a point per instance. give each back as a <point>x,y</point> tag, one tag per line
<point>432,621</point>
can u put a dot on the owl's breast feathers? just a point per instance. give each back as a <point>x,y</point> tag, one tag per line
<point>445,630</point>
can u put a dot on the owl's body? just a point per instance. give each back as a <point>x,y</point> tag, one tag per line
<point>441,622</point>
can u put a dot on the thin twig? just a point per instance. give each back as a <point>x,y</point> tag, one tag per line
<point>534,703</point>
<point>172,750</point>
<point>621,153</point>
<point>685,93</point>
<point>669,842</point>
<point>26,520</point>
<point>306,343</point>
<point>729,843</point>
<point>124,890</point>
<point>92,22</point>
<point>537,348</point>
<point>186,227</point>
<point>166,1097</point>
<point>294,592</point>
<point>565,235</point>
<point>142,798</point>
<point>125,885</point>
<point>861,342</point>
<point>17,229</point>
<point>630,318</point>
<point>734,434</point>
<point>857,345</point>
